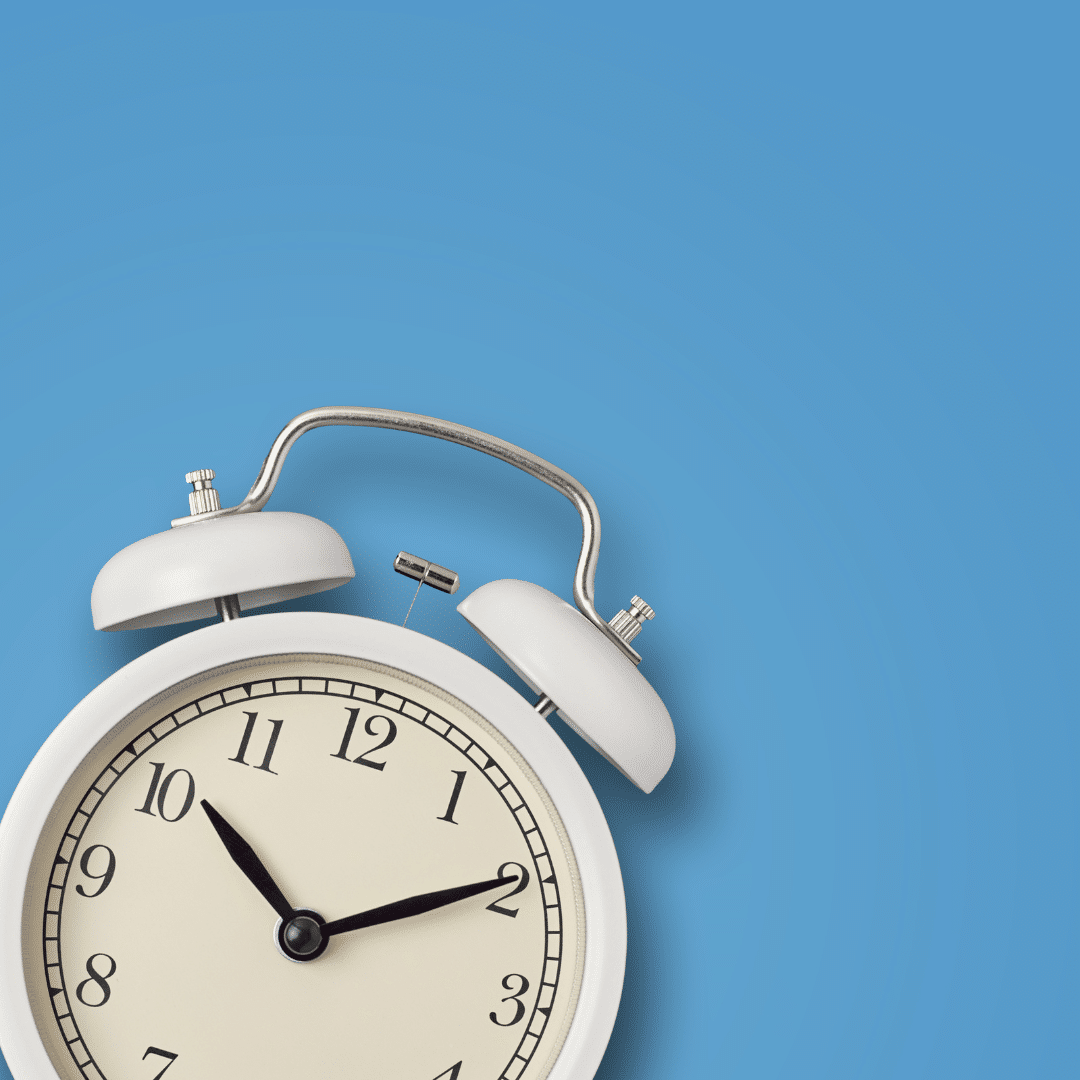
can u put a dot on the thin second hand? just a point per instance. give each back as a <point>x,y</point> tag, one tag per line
<point>419,586</point>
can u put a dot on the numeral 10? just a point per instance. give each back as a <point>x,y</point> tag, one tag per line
<point>160,788</point>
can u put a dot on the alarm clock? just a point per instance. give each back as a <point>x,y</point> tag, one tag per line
<point>320,845</point>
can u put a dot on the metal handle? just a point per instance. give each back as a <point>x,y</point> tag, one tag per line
<point>358,416</point>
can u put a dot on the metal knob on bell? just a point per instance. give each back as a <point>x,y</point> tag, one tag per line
<point>217,565</point>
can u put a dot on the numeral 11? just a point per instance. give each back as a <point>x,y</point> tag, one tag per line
<point>265,766</point>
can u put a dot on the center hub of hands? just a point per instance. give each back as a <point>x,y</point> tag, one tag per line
<point>302,935</point>
<point>301,938</point>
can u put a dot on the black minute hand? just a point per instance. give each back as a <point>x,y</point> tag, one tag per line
<point>414,905</point>
<point>244,856</point>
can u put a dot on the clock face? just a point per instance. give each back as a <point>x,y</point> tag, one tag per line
<point>432,926</point>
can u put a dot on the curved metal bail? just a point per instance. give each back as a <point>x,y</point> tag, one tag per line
<point>360,416</point>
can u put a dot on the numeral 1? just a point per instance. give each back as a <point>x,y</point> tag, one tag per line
<point>449,815</point>
<point>451,1073</point>
<point>265,766</point>
<point>343,753</point>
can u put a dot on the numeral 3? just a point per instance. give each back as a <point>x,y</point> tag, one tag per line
<point>515,997</point>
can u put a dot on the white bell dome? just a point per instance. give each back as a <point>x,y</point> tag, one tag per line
<point>598,690</point>
<point>175,576</point>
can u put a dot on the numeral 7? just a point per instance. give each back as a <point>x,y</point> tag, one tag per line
<point>161,1053</point>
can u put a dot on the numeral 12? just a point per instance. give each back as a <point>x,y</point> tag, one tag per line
<point>391,735</point>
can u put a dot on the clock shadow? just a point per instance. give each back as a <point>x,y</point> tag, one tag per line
<point>641,826</point>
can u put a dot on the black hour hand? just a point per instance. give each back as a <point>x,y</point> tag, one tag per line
<point>414,905</point>
<point>244,856</point>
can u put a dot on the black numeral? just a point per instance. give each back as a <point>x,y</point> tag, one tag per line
<point>265,766</point>
<point>104,877</point>
<point>451,1073</point>
<point>343,753</point>
<point>519,1012</point>
<point>522,884</point>
<point>100,979</point>
<point>391,735</point>
<point>160,1053</point>
<point>148,806</point>
<point>449,815</point>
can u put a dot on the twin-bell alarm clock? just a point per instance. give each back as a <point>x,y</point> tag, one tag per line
<point>310,846</point>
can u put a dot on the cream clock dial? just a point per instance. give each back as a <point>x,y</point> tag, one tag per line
<point>301,866</point>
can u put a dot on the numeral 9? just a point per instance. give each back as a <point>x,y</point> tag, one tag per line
<point>105,877</point>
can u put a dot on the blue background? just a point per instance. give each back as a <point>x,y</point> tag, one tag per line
<point>785,285</point>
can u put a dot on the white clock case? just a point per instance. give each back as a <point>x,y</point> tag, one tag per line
<point>341,635</point>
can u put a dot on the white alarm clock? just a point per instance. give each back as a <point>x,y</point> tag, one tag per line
<point>309,845</point>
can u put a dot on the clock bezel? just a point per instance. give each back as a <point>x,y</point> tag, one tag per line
<point>327,634</point>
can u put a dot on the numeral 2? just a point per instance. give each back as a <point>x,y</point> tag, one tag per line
<point>522,884</point>
<point>391,735</point>
<point>148,806</point>
<point>265,766</point>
